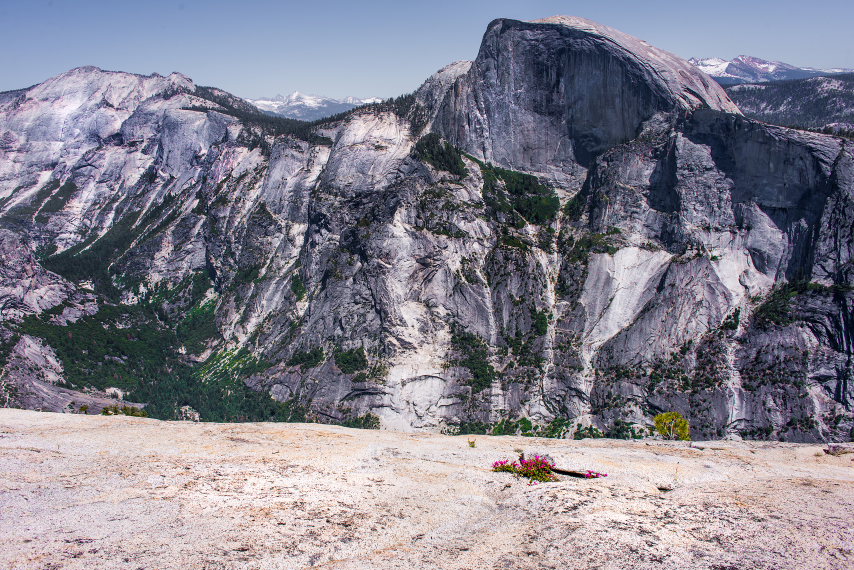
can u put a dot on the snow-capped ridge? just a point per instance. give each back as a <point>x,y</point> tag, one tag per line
<point>308,107</point>
<point>750,69</point>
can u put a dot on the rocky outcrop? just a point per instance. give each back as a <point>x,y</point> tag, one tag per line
<point>25,286</point>
<point>615,240</point>
<point>745,238</point>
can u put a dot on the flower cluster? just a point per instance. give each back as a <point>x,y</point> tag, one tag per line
<point>594,474</point>
<point>538,468</point>
<point>504,465</point>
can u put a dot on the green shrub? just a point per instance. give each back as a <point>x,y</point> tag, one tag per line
<point>245,275</point>
<point>377,372</point>
<point>473,428</point>
<point>536,202</point>
<point>351,361</point>
<point>582,432</point>
<point>624,430</point>
<point>298,287</point>
<point>307,359</point>
<point>731,321</point>
<point>574,208</point>
<point>513,241</point>
<point>671,425</point>
<point>367,421</point>
<point>776,307</point>
<point>541,322</point>
<point>124,411</point>
<point>539,209</point>
<point>595,243</point>
<point>474,357</point>
<point>556,428</point>
<point>522,195</point>
<point>441,156</point>
<point>198,327</point>
<point>505,427</point>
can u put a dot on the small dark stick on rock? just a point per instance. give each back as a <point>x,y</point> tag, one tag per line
<point>579,474</point>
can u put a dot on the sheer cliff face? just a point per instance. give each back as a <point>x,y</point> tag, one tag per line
<point>552,94</point>
<point>672,256</point>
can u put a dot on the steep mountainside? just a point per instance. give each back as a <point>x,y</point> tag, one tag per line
<point>748,69</point>
<point>575,228</point>
<point>816,103</point>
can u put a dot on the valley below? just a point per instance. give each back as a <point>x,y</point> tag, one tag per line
<point>117,492</point>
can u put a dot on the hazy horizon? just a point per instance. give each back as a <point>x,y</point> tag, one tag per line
<point>262,48</point>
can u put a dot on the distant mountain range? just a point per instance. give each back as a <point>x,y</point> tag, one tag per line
<point>308,107</point>
<point>816,103</point>
<point>748,69</point>
<point>775,106</point>
<point>744,69</point>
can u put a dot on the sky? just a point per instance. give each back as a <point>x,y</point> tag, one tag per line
<point>256,48</point>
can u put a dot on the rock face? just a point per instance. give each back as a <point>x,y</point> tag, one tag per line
<point>557,92</point>
<point>25,286</point>
<point>616,240</point>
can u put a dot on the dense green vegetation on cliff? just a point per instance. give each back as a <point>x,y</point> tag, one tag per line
<point>137,349</point>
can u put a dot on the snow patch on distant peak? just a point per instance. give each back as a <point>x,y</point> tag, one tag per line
<point>750,69</point>
<point>713,66</point>
<point>357,101</point>
<point>308,107</point>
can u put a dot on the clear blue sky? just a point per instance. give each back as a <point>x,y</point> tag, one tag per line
<point>377,48</point>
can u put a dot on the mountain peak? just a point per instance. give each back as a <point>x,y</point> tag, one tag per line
<point>670,72</point>
<point>307,107</point>
<point>752,69</point>
<point>584,85</point>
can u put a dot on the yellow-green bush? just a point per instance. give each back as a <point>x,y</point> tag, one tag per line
<point>671,425</point>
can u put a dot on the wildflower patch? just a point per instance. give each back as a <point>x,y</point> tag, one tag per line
<point>540,469</point>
